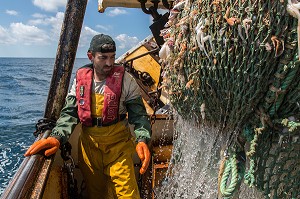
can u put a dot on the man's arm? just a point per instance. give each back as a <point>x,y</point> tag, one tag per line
<point>135,107</point>
<point>138,116</point>
<point>61,132</point>
<point>67,121</point>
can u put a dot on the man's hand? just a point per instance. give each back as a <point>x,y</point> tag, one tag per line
<point>51,144</point>
<point>144,154</point>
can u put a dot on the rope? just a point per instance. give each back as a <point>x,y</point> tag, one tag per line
<point>234,166</point>
<point>292,125</point>
<point>249,176</point>
<point>254,142</point>
<point>230,168</point>
<point>293,9</point>
<point>221,172</point>
<point>280,93</point>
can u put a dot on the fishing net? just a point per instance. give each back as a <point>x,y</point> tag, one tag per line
<point>277,172</point>
<point>233,64</point>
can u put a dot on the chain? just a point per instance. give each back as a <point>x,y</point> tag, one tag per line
<point>43,125</point>
<point>154,101</point>
<point>69,166</point>
<point>145,77</point>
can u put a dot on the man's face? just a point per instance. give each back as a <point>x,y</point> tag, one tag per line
<point>103,62</point>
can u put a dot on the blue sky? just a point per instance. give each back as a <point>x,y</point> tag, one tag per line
<point>31,28</point>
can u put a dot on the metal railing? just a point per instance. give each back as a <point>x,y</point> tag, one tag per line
<point>31,177</point>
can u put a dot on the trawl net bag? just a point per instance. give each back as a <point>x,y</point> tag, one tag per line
<point>234,65</point>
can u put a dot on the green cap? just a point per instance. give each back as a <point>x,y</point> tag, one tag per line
<point>102,43</point>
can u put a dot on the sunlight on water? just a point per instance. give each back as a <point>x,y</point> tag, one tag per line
<point>10,161</point>
<point>193,171</point>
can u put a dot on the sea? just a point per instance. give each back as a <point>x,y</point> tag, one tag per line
<point>24,87</point>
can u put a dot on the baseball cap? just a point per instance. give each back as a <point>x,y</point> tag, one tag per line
<point>102,43</point>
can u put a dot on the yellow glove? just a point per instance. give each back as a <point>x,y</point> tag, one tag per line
<point>51,144</point>
<point>144,154</point>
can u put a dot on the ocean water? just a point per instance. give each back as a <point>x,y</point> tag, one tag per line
<point>24,86</point>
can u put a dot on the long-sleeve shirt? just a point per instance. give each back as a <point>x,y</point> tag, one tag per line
<point>130,102</point>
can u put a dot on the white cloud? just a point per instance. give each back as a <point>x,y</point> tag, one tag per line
<point>90,31</point>
<point>116,12</point>
<point>126,41</point>
<point>105,28</point>
<point>5,36</point>
<point>54,21</point>
<point>50,5</point>
<point>38,19</point>
<point>28,35</point>
<point>38,15</point>
<point>86,35</point>
<point>36,22</point>
<point>31,33</point>
<point>11,12</point>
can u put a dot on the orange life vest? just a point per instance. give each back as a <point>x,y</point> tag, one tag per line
<point>112,94</point>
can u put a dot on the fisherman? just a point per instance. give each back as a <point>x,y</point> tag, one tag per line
<point>101,95</point>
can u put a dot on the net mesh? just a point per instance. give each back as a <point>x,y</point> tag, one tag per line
<point>277,171</point>
<point>234,64</point>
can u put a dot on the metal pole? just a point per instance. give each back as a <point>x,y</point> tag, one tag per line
<point>65,57</point>
<point>23,183</point>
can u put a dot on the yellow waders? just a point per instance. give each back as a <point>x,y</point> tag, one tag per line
<point>105,159</point>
